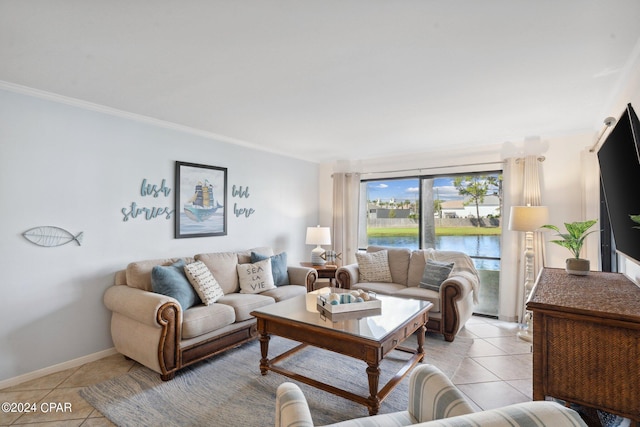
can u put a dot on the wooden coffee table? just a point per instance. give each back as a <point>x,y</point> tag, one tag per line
<point>298,319</point>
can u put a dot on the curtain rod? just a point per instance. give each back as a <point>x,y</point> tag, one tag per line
<point>433,167</point>
<point>540,159</point>
<point>608,122</point>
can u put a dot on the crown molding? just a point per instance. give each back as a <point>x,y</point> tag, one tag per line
<point>85,105</point>
<point>90,106</point>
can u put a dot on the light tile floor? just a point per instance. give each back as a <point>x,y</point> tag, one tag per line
<point>496,373</point>
<point>498,370</point>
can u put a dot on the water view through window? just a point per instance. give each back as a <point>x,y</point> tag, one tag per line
<point>458,212</point>
<point>477,247</point>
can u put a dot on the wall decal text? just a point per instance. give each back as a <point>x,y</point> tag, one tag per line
<point>241,193</point>
<point>133,211</point>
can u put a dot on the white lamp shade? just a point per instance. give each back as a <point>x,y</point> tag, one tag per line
<point>528,218</point>
<point>318,236</point>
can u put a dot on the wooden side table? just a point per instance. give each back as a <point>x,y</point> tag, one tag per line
<point>324,271</point>
<point>586,340</point>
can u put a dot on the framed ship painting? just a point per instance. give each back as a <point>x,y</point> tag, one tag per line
<point>201,200</point>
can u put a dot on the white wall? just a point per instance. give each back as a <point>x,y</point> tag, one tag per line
<point>76,169</point>
<point>563,190</point>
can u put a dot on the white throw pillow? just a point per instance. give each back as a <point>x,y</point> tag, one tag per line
<point>203,282</point>
<point>374,266</point>
<point>256,277</point>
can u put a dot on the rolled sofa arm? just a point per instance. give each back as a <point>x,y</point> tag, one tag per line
<point>147,327</point>
<point>432,395</point>
<point>347,275</point>
<point>457,286</point>
<point>456,302</point>
<point>136,304</point>
<point>291,407</point>
<point>303,276</point>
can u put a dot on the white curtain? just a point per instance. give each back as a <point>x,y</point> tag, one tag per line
<point>511,269</point>
<point>533,195</point>
<point>521,186</point>
<point>346,195</point>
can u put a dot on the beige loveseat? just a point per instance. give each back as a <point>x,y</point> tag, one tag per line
<point>433,401</point>
<point>154,330</point>
<point>452,304</point>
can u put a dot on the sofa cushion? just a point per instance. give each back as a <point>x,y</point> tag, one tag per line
<point>416,292</point>
<point>171,281</point>
<point>223,267</point>
<point>374,267</point>
<point>203,282</point>
<point>244,257</point>
<point>202,319</point>
<point>398,259</point>
<point>244,304</point>
<point>416,268</point>
<point>379,287</point>
<point>278,267</point>
<point>284,292</point>
<point>255,278</point>
<point>435,273</point>
<point>138,273</point>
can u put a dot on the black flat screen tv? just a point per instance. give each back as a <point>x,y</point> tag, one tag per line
<point>619,159</point>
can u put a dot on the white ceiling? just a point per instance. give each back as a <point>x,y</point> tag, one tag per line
<point>332,79</point>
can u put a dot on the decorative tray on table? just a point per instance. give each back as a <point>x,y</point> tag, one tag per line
<point>349,305</point>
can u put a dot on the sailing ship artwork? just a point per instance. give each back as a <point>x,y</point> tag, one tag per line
<point>200,200</point>
<point>202,205</point>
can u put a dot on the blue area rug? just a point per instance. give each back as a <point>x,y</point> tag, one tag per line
<point>228,390</point>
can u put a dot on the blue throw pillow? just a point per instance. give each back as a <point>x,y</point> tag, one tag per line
<point>278,267</point>
<point>435,273</point>
<point>172,281</point>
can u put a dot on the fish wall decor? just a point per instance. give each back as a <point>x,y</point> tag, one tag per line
<point>50,236</point>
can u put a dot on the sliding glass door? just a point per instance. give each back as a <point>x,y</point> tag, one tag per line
<point>393,217</point>
<point>452,212</point>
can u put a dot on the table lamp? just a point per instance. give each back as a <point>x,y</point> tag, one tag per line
<point>528,219</point>
<point>318,236</point>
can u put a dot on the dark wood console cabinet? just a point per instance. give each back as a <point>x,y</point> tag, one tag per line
<point>586,340</point>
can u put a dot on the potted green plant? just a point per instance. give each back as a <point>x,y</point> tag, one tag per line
<point>573,240</point>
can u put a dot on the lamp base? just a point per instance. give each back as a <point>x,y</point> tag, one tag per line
<point>525,336</point>
<point>526,333</point>
<point>316,256</point>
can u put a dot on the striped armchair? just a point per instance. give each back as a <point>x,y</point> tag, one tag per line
<point>433,401</point>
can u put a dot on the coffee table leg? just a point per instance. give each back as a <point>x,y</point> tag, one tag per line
<point>421,332</point>
<point>373,372</point>
<point>264,350</point>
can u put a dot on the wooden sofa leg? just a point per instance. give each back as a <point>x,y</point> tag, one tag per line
<point>168,377</point>
<point>449,337</point>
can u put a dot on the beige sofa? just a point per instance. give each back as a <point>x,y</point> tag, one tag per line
<point>452,305</point>
<point>433,401</point>
<point>154,330</point>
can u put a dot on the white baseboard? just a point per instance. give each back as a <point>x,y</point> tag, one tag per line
<point>56,368</point>
<point>508,318</point>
